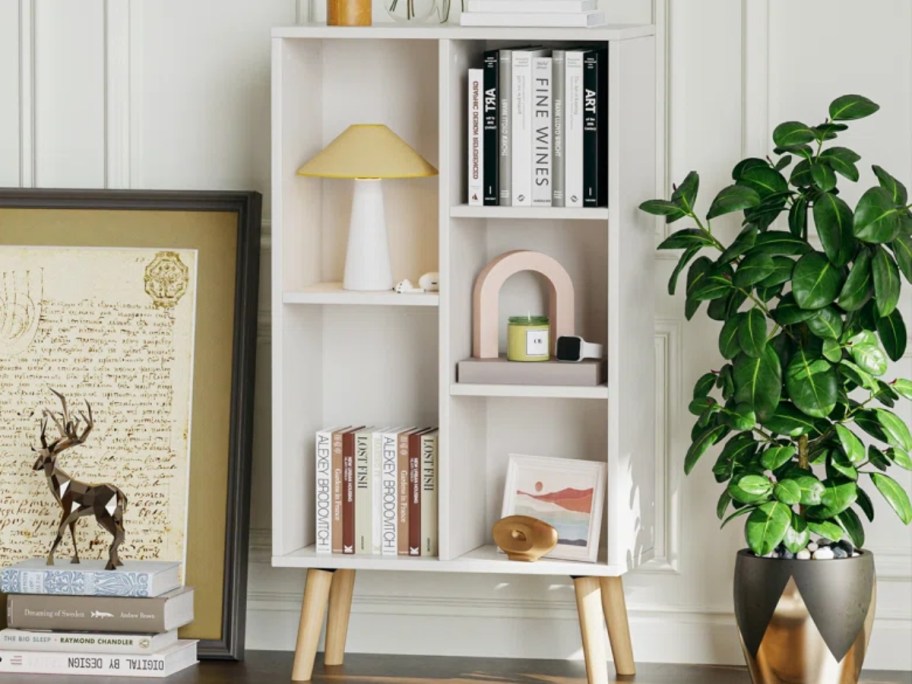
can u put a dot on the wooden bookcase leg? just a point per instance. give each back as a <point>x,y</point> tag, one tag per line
<point>618,630</point>
<point>313,608</point>
<point>340,601</point>
<point>588,600</point>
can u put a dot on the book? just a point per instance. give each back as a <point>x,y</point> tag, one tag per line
<point>101,613</point>
<point>429,497</point>
<point>533,20</point>
<point>375,484</point>
<point>595,133</point>
<point>134,578</point>
<point>363,508</point>
<point>491,157</point>
<point>475,136</point>
<point>389,492</point>
<point>558,79</point>
<point>348,491</point>
<point>521,126</point>
<point>541,131</point>
<point>414,503</point>
<point>403,473</point>
<point>336,531</point>
<point>535,6</point>
<point>573,128</point>
<point>323,518</point>
<point>85,642</point>
<point>173,659</point>
<point>505,160</point>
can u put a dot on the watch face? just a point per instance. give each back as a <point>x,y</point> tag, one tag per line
<point>568,348</point>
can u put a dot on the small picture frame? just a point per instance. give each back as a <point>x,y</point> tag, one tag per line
<point>567,494</point>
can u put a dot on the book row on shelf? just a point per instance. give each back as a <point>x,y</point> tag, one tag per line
<point>83,619</point>
<point>376,490</point>
<point>537,128</point>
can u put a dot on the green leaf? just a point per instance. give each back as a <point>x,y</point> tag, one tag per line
<point>758,381</point>
<point>856,374</point>
<point>801,174</point>
<point>886,282</point>
<point>755,485</point>
<point>797,536</point>
<point>659,207</point>
<point>789,313</point>
<point>764,180</point>
<point>867,421</point>
<point>686,239</point>
<point>839,466</point>
<point>788,420</point>
<point>815,281</point>
<point>833,219</point>
<point>792,134</point>
<point>752,332</point>
<point>745,164</point>
<point>900,458</point>
<point>868,354</point>
<point>722,505</point>
<point>704,385</point>
<point>766,527</point>
<point>892,331</point>
<point>700,405</point>
<point>812,384</point>
<point>782,272</point>
<point>775,457</point>
<point>697,272</point>
<point>733,198</point>
<point>736,454</point>
<point>850,107</point>
<point>741,496</point>
<point>715,284</point>
<point>903,387</point>
<point>775,242</point>
<point>685,258</point>
<point>902,249</point>
<point>851,445</point>
<point>826,323</point>
<point>826,529</point>
<point>742,417</point>
<point>788,492</point>
<point>865,504</point>
<point>895,495</point>
<point>896,190</point>
<point>895,429</point>
<point>737,514</point>
<point>837,496</point>
<point>686,193</point>
<point>842,161</point>
<point>876,218</point>
<point>728,337</point>
<point>832,351</point>
<point>878,458</point>
<point>823,175</point>
<point>853,527</point>
<point>798,217</point>
<point>704,440</point>
<point>754,269</point>
<point>745,240</point>
<point>859,286</point>
<point>811,488</point>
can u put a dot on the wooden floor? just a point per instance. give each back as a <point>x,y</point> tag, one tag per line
<point>266,667</point>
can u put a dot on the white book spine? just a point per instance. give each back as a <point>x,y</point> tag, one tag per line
<point>85,642</point>
<point>541,132</point>
<point>531,6</point>
<point>389,494</point>
<point>163,664</point>
<point>532,19</point>
<point>558,74</point>
<point>363,541</point>
<point>323,493</point>
<point>573,127</point>
<point>504,135</point>
<point>376,468</point>
<point>476,137</point>
<point>521,128</point>
<point>429,497</point>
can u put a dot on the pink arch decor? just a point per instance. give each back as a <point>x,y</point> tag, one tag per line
<point>486,298</point>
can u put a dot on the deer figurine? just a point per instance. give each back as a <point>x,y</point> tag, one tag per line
<point>78,499</point>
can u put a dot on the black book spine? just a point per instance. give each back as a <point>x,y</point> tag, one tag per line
<point>591,129</point>
<point>491,146</point>
<point>602,128</point>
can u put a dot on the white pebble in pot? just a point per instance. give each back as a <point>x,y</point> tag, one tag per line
<point>824,553</point>
<point>804,554</point>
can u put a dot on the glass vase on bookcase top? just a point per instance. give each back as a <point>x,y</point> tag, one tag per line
<point>419,11</point>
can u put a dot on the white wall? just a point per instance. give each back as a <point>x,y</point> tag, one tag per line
<point>175,93</point>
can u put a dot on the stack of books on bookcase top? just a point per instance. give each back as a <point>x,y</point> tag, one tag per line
<point>560,13</point>
<point>83,619</point>
<point>376,491</point>
<point>538,128</point>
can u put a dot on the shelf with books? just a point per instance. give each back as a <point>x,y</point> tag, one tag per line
<point>535,213</point>
<point>528,391</point>
<point>333,293</point>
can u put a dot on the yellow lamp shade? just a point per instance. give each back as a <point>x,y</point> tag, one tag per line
<point>368,151</point>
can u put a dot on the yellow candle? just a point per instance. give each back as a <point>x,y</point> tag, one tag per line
<point>528,338</point>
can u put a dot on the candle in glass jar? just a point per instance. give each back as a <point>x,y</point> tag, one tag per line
<point>528,338</point>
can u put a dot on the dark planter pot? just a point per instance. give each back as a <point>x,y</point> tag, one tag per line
<point>804,621</point>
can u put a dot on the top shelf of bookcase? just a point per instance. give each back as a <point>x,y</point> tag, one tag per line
<point>436,32</point>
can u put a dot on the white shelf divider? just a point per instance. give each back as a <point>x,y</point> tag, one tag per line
<point>528,391</point>
<point>395,31</point>
<point>541,213</point>
<point>332,293</point>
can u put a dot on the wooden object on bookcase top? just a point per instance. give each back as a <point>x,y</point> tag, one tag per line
<point>313,608</point>
<point>524,538</point>
<point>340,600</point>
<point>615,609</point>
<point>500,371</point>
<point>486,295</point>
<point>348,12</point>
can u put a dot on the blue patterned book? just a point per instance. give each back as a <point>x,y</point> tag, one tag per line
<point>89,578</point>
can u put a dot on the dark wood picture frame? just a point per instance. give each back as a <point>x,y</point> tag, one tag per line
<point>245,207</point>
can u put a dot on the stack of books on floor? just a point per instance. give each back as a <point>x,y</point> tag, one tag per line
<point>82,619</point>
<point>538,128</point>
<point>566,13</point>
<point>376,491</point>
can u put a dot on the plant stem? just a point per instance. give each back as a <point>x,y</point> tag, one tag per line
<point>803,461</point>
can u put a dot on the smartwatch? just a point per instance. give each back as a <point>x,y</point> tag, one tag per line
<point>575,348</point>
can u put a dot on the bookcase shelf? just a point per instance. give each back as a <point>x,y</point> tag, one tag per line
<point>528,391</point>
<point>535,213</point>
<point>332,293</point>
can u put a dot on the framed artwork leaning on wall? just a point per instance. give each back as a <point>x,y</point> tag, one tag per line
<point>143,303</point>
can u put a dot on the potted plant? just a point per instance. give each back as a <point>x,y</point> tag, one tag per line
<point>807,297</point>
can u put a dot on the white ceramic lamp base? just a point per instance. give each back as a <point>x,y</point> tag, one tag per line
<point>367,262</point>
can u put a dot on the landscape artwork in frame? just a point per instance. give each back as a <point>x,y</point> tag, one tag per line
<point>567,494</point>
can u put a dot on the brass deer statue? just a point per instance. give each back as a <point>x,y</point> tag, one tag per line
<point>78,499</point>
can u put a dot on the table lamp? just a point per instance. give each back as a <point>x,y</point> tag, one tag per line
<point>367,153</point>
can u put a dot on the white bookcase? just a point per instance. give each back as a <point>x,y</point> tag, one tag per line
<point>383,358</point>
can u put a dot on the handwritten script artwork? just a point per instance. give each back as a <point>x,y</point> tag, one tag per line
<point>100,336</point>
<point>20,309</point>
